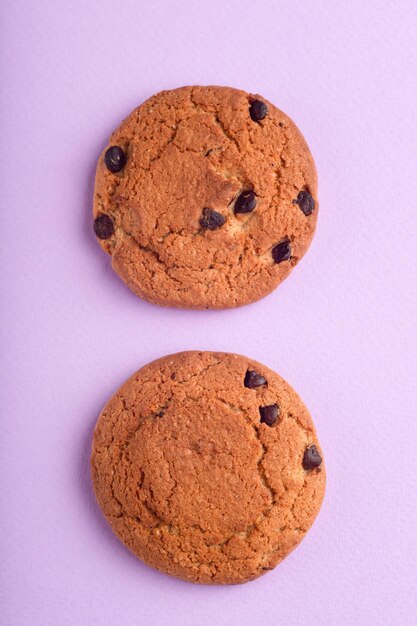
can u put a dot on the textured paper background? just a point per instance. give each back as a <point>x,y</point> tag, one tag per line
<point>342,329</point>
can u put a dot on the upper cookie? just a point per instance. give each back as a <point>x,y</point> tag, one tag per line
<point>205,197</point>
<point>207,467</point>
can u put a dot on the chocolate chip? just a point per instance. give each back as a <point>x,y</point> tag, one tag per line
<point>253,379</point>
<point>311,458</point>
<point>103,226</point>
<point>258,110</point>
<point>306,202</point>
<point>269,414</point>
<point>246,202</point>
<point>115,159</point>
<point>282,251</point>
<point>211,219</point>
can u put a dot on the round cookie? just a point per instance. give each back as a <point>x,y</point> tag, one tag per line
<point>205,197</point>
<point>207,467</point>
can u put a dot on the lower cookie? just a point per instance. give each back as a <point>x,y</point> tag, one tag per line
<point>207,467</point>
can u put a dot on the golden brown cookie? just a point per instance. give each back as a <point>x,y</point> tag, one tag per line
<point>205,197</point>
<point>207,467</point>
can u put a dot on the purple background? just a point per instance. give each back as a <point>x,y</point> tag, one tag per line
<point>341,330</point>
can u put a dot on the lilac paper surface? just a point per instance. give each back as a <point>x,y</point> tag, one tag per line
<point>341,329</point>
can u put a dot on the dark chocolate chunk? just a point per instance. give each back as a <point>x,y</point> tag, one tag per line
<point>211,219</point>
<point>269,414</point>
<point>246,202</point>
<point>282,251</point>
<point>253,379</point>
<point>115,159</point>
<point>306,202</point>
<point>311,458</point>
<point>103,226</point>
<point>258,110</point>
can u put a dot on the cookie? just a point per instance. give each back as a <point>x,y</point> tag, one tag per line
<point>205,197</point>
<point>207,467</point>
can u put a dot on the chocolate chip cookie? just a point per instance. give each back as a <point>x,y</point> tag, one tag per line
<point>207,467</point>
<point>205,197</point>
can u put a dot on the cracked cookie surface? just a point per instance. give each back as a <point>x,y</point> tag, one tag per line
<point>174,182</point>
<point>194,481</point>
